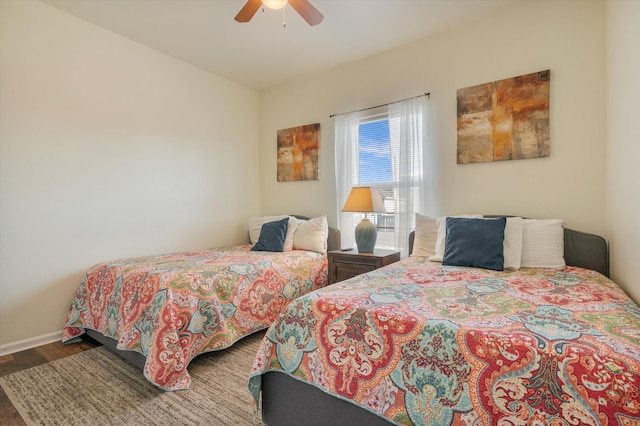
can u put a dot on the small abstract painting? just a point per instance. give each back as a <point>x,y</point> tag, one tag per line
<point>504,120</point>
<point>298,153</point>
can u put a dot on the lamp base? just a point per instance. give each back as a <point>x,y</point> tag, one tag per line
<point>366,235</point>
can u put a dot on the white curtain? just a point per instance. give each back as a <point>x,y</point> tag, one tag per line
<point>409,134</point>
<point>346,146</point>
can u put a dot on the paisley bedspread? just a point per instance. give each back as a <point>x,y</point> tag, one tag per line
<point>174,307</point>
<point>425,344</point>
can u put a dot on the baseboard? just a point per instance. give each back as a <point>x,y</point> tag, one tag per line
<point>22,345</point>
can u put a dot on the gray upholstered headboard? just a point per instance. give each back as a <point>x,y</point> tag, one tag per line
<point>333,239</point>
<point>586,251</point>
<point>580,249</point>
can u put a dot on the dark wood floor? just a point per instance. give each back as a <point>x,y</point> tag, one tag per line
<point>30,358</point>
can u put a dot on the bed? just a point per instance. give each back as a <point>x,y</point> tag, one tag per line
<point>429,343</point>
<point>160,312</point>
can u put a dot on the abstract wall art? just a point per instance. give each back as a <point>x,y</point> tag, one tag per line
<point>298,153</point>
<point>504,120</point>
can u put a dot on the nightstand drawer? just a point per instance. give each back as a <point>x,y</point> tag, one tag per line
<point>344,271</point>
<point>346,264</point>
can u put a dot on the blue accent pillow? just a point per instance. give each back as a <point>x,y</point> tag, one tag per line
<point>272,235</point>
<point>475,242</point>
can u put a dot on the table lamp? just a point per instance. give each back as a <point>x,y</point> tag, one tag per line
<point>364,199</point>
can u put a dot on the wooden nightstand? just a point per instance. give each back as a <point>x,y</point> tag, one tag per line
<point>347,264</point>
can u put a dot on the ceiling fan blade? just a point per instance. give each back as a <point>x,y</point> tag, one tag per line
<point>307,11</point>
<point>249,9</point>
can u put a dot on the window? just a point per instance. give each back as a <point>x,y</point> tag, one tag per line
<point>374,151</point>
<point>383,150</point>
<point>375,170</point>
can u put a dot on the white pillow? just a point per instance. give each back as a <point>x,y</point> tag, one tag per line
<point>513,243</point>
<point>442,235</point>
<point>426,234</point>
<point>312,235</point>
<point>255,225</point>
<point>543,243</point>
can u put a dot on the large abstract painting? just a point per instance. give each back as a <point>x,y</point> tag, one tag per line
<point>298,153</point>
<point>504,120</point>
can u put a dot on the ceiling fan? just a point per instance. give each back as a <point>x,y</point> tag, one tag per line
<point>303,7</point>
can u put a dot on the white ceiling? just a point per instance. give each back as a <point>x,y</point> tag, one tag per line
<point>262,53</point>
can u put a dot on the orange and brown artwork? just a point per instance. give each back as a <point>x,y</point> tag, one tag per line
<point>504,120</point>
<point>298,153</point>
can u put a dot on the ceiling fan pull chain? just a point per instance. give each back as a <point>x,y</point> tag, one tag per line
<point>284,17</point>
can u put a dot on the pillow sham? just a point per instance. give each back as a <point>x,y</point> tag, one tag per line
<point>255,226</point>
<point>272,236</point>
<point>442,235</point>
<point>425,237</point>
<point>475,242</point>
<point>543,243</point>
<point>513,244</point>
<point>312,235</point>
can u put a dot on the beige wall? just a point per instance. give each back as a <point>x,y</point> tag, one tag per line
<point>108,149</point>
<point>623,143</point>
<point>567,37</point>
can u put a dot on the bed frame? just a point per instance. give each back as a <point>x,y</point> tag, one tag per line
<point>287,401</point>
<point>137,359</point>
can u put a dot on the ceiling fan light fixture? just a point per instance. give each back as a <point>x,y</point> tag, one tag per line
<point>274,4</point>
<point>303,7</point>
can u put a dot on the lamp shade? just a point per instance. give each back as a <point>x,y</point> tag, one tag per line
<point>364,199</point>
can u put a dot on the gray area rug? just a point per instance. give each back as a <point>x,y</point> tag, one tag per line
<point>97,387</point>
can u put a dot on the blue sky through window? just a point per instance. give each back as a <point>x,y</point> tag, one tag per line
<point>374,152</point>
